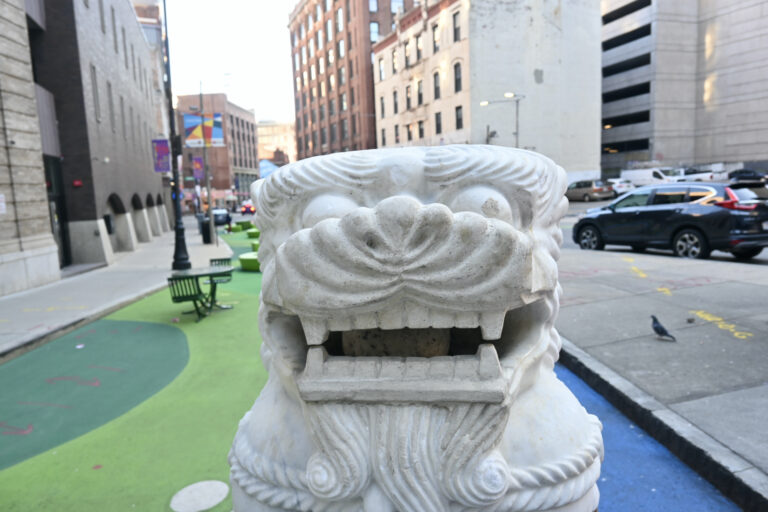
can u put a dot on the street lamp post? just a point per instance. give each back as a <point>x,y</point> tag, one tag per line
<point>206,173</point>
<point>180,255</point>
<point>509,96</point>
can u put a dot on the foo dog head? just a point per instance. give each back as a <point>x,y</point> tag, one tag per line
<point>408,298</point>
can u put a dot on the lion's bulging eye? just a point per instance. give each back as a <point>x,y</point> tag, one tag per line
<point>326,206</point>
<point>485,201</point>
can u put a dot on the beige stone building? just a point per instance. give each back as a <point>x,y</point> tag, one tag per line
<point>684,83</point>
<point>522,74</point>
<point>28,252</point>
<point>277,141</point>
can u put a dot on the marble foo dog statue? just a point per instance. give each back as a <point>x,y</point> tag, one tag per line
<point>407,310</point>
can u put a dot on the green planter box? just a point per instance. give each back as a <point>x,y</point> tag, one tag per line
<point>253,233</point>
<point>255,246</point>
<point>245,224</point>
<point>237,228</point>
<point>249,262</point>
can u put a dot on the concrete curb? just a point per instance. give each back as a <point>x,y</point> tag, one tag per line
<point>35,340</point>
<point>735,477</point>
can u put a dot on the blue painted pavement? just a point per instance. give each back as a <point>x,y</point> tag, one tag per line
<point>638,473</point>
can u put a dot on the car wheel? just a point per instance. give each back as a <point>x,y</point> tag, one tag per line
<point>690,243</point>
<point>638,248</point>
<point>746,254</point>
<point>586,198</point>
<point>590,238</point>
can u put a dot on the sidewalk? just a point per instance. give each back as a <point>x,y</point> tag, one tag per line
<point>704,396</point>
<point>31,317</point>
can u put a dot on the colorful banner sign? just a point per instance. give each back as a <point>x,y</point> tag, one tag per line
<point>161,153</point>
<point>197,167</point>
<point>208,129</point>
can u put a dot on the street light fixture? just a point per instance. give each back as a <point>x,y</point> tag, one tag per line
<point>509,96</point>
<point>180,255</point>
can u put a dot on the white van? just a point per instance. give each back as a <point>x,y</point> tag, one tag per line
<point>640,177</point>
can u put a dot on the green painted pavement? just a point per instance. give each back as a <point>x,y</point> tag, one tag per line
<point>82,380</point>
<point>176,437</point>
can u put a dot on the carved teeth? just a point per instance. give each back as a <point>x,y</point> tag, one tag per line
<point>418,316</point>
<point>491,325</point>
<point>315,330</point>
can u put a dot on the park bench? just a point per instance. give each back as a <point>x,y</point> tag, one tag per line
<point>220,262</point>
<point>187,289</point>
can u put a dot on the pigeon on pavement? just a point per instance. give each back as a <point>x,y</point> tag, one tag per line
<point>660,330</point>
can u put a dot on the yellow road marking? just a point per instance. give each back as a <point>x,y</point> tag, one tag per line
<point>628,259</point>
<point>665,291</point>
<point>722,324</point>
<point>639,272</point>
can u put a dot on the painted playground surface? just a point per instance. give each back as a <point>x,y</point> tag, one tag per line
<point>124,412</point>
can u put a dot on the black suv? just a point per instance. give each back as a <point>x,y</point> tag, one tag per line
<point>692,219</point>
<point>746,175</point>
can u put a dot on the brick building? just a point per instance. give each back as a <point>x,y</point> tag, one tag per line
<point>333,87</point>
<point>233,165</point>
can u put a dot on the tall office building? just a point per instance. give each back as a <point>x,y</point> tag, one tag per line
<point>521,74</point>
<point>333,87</point>
<point>277,142</point>
<point>231,151</point>
<point>684,83</point>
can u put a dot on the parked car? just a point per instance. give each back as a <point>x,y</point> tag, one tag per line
<point>640,177</point>
<point>247,209</point>
<point>589,190</point>
<point>620,186</point>
<point>691,219</point>
<point>221,216</point>
<point>747,175</point>
<point>691,174</point>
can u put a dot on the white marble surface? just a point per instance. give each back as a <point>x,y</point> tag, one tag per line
<point>364,253</point>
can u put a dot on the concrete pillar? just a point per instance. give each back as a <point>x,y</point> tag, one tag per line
<point>164,224</point>
<point>154,220</point>
<point>89,242</point>
<point>141,223</point>
<point>125,233</point>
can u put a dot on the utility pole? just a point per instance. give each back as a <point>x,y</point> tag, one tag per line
<point>180,255</point>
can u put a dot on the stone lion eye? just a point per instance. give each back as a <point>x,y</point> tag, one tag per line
<point>485,201</point>
<point>326,206</point>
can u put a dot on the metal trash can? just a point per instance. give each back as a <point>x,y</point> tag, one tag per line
<point>200,217</point>
<point>205,229</point>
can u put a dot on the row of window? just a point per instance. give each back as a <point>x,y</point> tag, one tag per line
<point>319,114</point>
<point>308,23</point>
<point>414,48</point>
<point>139,130</point>
<point>419,127</point>
<point>324,136</point>
<point>140,74</point>
<point>318,68</point>
<point>420,92</point>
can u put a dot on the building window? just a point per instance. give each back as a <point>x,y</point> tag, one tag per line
<point>301,31</point>
<point>394,61</point>
<point>438,123</point>
<point>408,132</point>
<point>383,137</point>
<point>394,102</point>
<point>332,107</point>
<point>343,102</point>
<point>419,93</point>
<point>421,129</point>
<point>333,133</point>
<point>321,65</point>
<point>436,80</point>
<point>125,47</point>
<point>122,117</point>
<point>354,125</point>
<point>407,54</point>
<point>318,12</point>
<point>323,136</point>
<point>381,107</point>
<point>322,89</point>
<point>311,48</point>
<point>101,17</point>
<point>373,5</point>
<point>381,69</point>
<point>114,28</point>
<point>419,47</point>
<point>328,5</point>
<point>344,129</point>
<point>312,116</point>
<point>322,112</point>
<point>459,118</point>
<point>331,82</point>
<point>456,77</point>
<point>329,30</point>
<point>396,5</point>
<point>312,72</point>
<point>456,27</point>
<point>295,62</point>
<point>397,134</point>
<point>303,55</point>
<point>319,39</point>
<point>111,107</point>
<point>374,31</point>
<point>352,96</point>
<point>95,92</point>
<point>310,22</point>
<point>342,52</point>
<point>331,57</point>
<point>339,20</point>
<point>408,97</point>
<point>435,39</point>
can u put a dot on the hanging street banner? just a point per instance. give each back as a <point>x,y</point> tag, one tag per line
<point>208,129</point>
<point>161,154</point>
<point>197,167</point>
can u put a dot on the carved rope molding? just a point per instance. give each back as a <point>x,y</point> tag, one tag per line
<point>530,488</point>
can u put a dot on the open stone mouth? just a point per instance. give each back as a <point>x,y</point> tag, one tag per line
<point>422,356</point>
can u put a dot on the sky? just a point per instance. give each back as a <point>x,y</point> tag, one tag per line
<point>238,47</point>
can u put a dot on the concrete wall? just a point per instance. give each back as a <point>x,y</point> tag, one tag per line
<point>28,253</point>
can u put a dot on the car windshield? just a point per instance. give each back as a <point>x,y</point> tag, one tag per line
<point>599,183</point>
<point>748,194</point>
<point>636,199</point>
